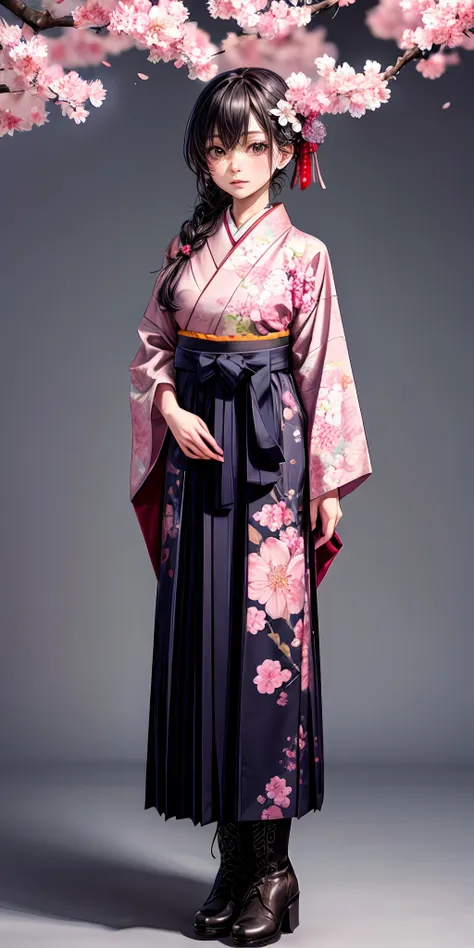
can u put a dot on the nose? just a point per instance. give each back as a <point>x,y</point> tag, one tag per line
<point>235,162</point>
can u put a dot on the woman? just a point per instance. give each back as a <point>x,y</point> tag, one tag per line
<point>247,432</point>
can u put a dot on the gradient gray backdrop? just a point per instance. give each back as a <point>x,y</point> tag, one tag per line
<point>87,212</point>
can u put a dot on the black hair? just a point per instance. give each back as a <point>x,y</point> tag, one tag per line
<point>224,107</point>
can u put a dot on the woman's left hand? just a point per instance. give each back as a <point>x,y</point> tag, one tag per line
<point>329,509</point>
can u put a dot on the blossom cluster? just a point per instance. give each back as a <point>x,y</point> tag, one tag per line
<point>163,28</point>
<point>33,67</point>
<point>33,77</point>
<point>409,22</point>
<point>341,89</point>
<point>279,20</point>
<point>32,80</point>
<point>444,22</point>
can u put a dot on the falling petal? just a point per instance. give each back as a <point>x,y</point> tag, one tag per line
<point>141,75</point>
<point>446,105</point>
<point>105,63</point>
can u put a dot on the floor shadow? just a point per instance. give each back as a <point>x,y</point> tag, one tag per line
<point>49,879</point>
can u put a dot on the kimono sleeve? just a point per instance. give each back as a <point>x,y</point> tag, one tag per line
<point>338,452</point>
<point>152,364</point>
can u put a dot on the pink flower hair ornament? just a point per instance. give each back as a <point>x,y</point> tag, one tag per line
<point>296,109</point>
<point>185,250</point>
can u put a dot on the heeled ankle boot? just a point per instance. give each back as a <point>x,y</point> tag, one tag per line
<point>271,904</point>
<point>219,911</point>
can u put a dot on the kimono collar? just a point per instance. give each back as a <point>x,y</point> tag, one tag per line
<point>232,226</point>
<point>262,230</point>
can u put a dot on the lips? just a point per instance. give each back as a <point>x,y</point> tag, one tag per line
<point>238,181</point>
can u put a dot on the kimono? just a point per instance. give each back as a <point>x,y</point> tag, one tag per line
<point>257,350</point>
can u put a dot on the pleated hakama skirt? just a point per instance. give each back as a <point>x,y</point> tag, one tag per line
<point>235,725</point>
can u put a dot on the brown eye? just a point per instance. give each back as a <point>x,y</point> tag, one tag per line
<point>259,148</point>
<point>215,148</point>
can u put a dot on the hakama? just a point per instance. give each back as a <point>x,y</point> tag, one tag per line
<point>235,726</point>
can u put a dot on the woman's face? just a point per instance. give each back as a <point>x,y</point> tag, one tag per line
<point>247,168</point>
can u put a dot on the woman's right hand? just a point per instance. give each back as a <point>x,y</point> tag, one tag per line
<point>193,435</point>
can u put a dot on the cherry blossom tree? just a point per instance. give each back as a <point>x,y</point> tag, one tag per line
<point>36,68</point>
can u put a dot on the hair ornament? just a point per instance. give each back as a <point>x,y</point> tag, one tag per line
<point>307,165</point>
<point>313,132</point>
<point>185,250</point>
<point>286,114</point>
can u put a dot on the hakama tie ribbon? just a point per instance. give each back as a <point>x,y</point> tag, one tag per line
<point>230,369</point>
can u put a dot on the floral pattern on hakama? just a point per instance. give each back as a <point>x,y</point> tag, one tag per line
<point>278,611</point>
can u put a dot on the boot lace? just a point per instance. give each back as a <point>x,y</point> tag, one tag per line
<point>264,860</point>
<point>227,839</point>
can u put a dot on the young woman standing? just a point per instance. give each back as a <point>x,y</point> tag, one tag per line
<point>247,433</point>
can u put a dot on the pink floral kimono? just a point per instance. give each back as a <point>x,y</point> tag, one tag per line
<point>257,349</point>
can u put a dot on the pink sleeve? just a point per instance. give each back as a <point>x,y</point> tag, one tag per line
<point>152,364</point>
<point>337,445</point>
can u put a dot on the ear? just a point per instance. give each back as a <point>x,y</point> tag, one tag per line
<point>285,156</point>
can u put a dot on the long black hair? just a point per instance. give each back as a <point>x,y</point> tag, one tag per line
<point>223,107</point>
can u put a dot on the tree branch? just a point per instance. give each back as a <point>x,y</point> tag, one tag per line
<point>39,20</point>
<point>414,53</point>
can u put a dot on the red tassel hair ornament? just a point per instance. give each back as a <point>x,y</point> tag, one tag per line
<point>307,166</point>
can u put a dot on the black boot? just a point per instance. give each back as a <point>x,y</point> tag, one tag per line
<point>219,911</point>
<point>271,904</point>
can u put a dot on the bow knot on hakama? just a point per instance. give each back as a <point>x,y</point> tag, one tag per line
<point>228,370</point>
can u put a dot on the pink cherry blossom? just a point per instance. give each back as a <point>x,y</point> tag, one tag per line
<point>282,698</point>
<point>272,813</point>
<point>256,619</point>
<point>295,51</point>
<point>344,90</point>
<point>274,516</point>
<point>270,676</point>
<point>293,540</point>
<point>32,66</point>
<point>435,66</point>
<point>275,578</point>
<point>324,434</point>
<point>298,634</point>
<point>305,646</point>
<point>278,791</point>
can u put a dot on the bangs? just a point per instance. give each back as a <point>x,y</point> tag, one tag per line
<point>230,113</point>
<point>227,114</point>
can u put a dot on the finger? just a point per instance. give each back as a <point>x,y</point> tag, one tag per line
<point>322,540</point>
<point>193,445</point>
<point>207,435</point>
<point>189,453</point>
<point>327,535</point>
<point>329,527</point>
<point>200,445</point>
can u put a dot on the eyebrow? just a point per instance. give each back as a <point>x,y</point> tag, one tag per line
<point>260,132</point>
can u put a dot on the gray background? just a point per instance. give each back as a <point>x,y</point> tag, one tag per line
<point>87,212</point>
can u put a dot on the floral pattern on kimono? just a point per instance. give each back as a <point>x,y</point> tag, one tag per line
<point>273,277</point>
<point>152,364</point>
<point>338,448</point>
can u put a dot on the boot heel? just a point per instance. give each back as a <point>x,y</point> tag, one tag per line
<point>291,918</point>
